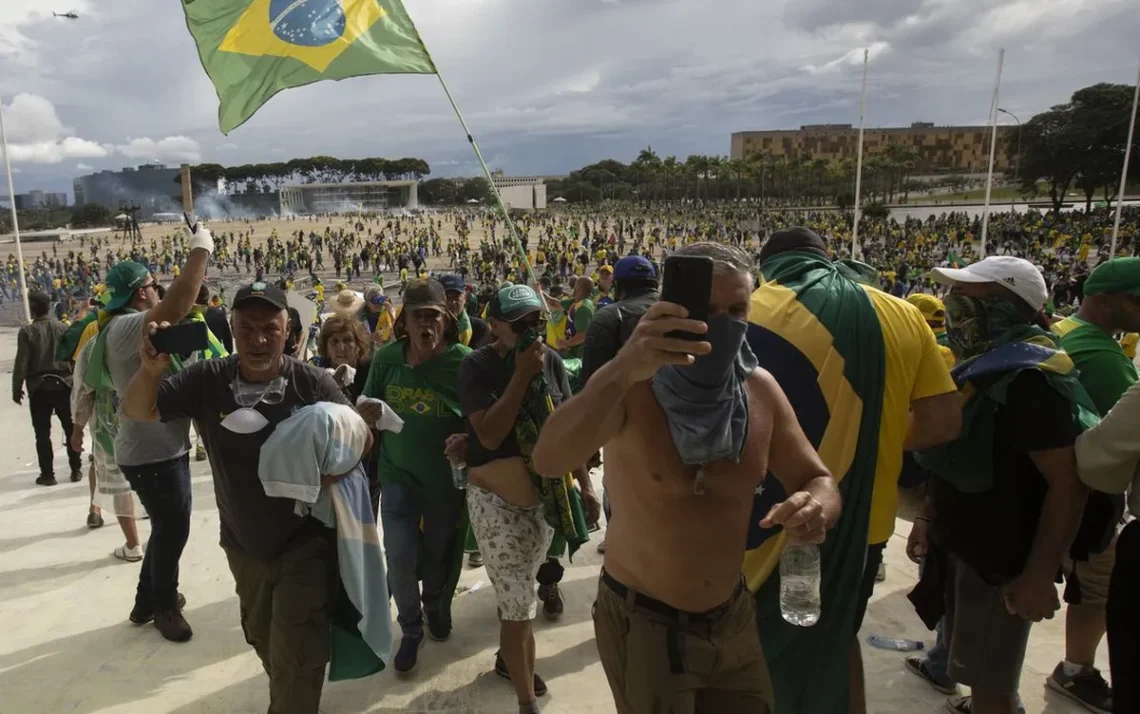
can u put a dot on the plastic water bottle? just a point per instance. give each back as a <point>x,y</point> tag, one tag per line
<point>459,475</point>
<point>799,584</point>
<point>887,643</point>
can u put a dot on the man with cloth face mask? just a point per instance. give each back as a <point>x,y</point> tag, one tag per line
<point>284,565</point>
<point>676,627</point>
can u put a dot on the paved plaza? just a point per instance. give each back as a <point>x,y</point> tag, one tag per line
<point>67,646</point>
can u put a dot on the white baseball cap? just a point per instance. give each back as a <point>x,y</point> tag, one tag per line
<point>1016,274</point>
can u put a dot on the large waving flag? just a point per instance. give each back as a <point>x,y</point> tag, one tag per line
<point>252,49</point>
<point>817,332</point>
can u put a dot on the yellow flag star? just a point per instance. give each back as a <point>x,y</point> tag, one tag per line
<point>315,32</point>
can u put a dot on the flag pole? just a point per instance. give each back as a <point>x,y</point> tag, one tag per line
<point>859,160</point>
<point>494,189</point>
<point>1124,171</point>
<point>993,153</point>
<point>15,220</point>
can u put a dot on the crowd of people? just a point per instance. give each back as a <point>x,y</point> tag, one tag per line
<point>466,410</point>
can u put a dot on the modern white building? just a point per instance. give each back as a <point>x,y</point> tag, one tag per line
<point>525,193</point>
<point>349,197</point>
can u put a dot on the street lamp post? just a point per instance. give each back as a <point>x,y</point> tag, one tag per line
<point>1017,160</point>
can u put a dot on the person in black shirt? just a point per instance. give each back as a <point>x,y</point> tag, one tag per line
<point>473,331</point>
<point>986,508</point>
<point>505,508</point>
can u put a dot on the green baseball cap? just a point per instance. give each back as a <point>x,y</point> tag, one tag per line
<point>514,302</point>
<point>123,280</point>
<point>1119,275</point>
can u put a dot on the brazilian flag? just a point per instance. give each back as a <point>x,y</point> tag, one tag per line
<point>252,49</point>
<point>817,332</point>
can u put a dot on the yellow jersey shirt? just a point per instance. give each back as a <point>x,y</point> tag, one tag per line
<point>915,369</point>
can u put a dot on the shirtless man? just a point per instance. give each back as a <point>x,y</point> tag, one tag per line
<point>676,628</point>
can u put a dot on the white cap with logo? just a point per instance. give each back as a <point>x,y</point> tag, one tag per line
<point>1018,275</point>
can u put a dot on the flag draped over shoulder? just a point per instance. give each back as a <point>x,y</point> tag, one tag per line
<point>817,332</point>
<point>252,49</point>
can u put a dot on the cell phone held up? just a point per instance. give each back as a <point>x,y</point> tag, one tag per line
<point>182,340</point>
<point>687,281</point>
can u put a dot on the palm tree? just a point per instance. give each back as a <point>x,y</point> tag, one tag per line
<point>670,169</point>
<point>648,165</point>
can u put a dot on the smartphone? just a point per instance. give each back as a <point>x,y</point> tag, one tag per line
<point>183,340</point>
<point>687,280</point>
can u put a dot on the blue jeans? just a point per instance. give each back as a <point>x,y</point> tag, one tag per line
<point>164,491</point>
<point>415,556</point>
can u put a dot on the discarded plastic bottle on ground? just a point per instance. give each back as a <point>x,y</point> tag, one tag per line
<point>887,643</point>
<point>799,584</point>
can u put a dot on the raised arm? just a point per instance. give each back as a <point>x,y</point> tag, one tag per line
<point>587,421</point>
<point>182,293</point>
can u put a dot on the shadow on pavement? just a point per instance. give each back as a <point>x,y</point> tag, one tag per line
<point>36,679</point>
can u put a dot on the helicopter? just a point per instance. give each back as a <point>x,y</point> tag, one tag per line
<point>70,15</point>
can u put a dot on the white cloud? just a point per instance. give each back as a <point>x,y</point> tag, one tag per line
<point>36,134</point>
<point>851,59</point>
<point>170,148</point>
<point>84,167</point>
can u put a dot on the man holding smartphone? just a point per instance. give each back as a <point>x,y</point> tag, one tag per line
<point>154,457</point>
<point>675,625</point>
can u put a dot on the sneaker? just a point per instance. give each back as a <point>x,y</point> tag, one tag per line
<point>602,547</point>
<point>540,688</point>
<point>438,631</point>
<point>199,454</point>
<point>965,705</point>
<point>76,475</point>
<point>172,625</point>
<point>142,614</point>
<point>45,480</point>
<point>552,605</point>
<point>475,560</point>
<point>1087,687</point>
<point>408,656</point>
<point>918,666</point>
<point>882,574</point>
<point>131,555</point>
<point>95,520</point>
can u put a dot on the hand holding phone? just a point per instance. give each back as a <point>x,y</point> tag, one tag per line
<point>687,281</point>
<point>183,340</point>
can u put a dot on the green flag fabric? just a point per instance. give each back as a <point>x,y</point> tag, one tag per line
<point>252,49</point>
<point>818,333</point>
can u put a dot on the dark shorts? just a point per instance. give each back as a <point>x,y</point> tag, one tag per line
<point>658,659</point>
<point>987,643</point>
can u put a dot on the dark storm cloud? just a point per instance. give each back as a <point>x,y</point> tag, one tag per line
<point>549,85</point>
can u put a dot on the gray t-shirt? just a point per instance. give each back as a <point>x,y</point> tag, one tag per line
<point>139,442</point>
<point>251,523</point>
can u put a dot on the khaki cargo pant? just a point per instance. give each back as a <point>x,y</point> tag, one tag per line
<point>284,614</point>
<point>684,663</point>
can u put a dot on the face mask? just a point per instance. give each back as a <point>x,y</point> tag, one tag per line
<point>972,323</point>
<point>247,420</point>
<point>726,335</point>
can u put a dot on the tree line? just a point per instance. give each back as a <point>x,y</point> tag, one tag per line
<point>1079,144</point>
<point>265,178</point>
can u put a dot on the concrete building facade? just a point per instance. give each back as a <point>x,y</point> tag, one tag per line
<point>40,199</point>
<point>939,148</point>
<point>525,193</point>
<point>348,197</point>
<point>151,186</point>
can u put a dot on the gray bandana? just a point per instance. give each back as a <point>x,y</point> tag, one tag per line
<point>706,403</point>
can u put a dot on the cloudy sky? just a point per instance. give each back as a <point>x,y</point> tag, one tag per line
<point>548,85</point>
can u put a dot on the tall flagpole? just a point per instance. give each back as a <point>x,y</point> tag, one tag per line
<point>993,153</point>
<point>494,189</point>
<point>859,160</point>
<point>15,220</point>
<point>1124,171</point>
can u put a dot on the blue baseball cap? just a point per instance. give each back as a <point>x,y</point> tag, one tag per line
<point>453,283</point>
<point>634,266</point>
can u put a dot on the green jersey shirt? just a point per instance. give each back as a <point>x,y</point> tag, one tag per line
<point>1105,371</point>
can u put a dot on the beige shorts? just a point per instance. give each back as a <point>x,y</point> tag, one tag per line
<point>1086,581</point>
<point>513,541</point>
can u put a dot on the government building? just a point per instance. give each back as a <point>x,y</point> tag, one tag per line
<point>940,149</point>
